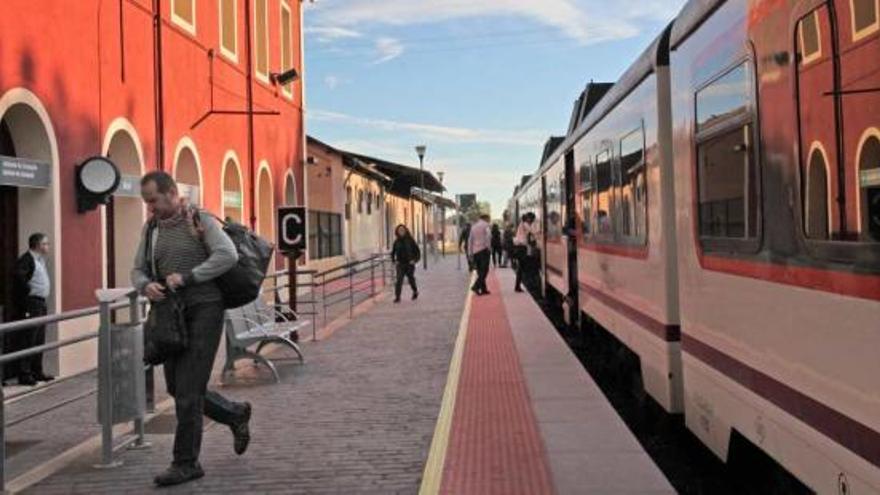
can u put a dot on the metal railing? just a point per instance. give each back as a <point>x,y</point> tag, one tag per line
<point>335,286</point>
<point>111,301</point>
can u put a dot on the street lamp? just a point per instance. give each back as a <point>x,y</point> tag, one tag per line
<point>442,216</point>
<point>420,150</point>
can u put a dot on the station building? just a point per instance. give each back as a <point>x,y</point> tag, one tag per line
<point>195,93</point>
<point>355,202</point>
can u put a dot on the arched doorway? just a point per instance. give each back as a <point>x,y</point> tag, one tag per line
<point>816,207</point>
<point>125,214</point>
<point>265,203</point>
<point>290,190</point>
<point>869,186</point>
<point>188,172</point>
<point>27,139</point>
<point>233,195</point>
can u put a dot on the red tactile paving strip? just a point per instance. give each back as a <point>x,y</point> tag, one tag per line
<point>494,444</point>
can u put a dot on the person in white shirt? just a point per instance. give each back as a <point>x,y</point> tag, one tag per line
<point>479,249</point>
<point>524,235</point>
<point>31,289</point>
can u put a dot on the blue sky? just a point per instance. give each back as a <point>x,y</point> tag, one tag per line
<point>482,83</point>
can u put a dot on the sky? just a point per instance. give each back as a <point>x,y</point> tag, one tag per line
<point>481,83</point>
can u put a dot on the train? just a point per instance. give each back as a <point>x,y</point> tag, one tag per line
<point>717,211</point>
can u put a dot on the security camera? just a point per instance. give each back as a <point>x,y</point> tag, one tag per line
<point>284,78</point>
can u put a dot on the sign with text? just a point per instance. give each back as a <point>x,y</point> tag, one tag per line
<point>23,173</point>
<point>129,187</point>
<point>292,228</point>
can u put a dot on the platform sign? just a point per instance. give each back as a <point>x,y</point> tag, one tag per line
<point>129,187</point>
<point>20,172</point>
<point>292,232</point>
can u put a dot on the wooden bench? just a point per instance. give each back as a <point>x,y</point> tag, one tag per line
<point>258,324</point>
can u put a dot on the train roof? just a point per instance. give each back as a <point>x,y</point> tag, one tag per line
<point>690,18</point>
<point>656,55</point>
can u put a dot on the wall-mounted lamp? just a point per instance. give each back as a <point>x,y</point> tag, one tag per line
<point>284,78</point>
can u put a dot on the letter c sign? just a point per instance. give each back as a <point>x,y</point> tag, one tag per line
<point>292,228</point>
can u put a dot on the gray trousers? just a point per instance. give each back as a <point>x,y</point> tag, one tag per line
<point>187,375</point>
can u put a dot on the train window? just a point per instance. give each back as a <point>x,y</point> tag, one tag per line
<point>586,179</point>
<point>809,38</point>
<point>603,193</point>
<point>727,175</point>
<point>864,18</point>
<point>727,97</point>
<point>632,193</point>
<point>816,195</point>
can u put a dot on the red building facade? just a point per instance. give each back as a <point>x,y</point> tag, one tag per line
<point>187,86</point>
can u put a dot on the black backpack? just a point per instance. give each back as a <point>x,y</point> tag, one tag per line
<point>243,282</point>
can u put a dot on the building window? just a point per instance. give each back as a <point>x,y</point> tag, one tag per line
<point>369,203</point>
<point>727,176</point>
<point>816,195</point>
<point>325,234</point>
<point>261,40</point>
<point>348,203</point>
<point>864,18</point>
<point>229,29</point>
<point>286,46</point>
<point>869,187</point>
<point>360,200</point>
<point>183,13</point>
<point>809,38</point>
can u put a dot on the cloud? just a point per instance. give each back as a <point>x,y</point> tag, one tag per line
<point>326,34</point>
<point>437,132</point>
<point>331,82</point>
<point>586,21</point>
<point>388,49</point>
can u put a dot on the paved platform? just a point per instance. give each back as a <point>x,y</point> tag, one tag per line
<point>451,393</point>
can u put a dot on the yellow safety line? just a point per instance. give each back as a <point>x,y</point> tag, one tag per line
<point>433,474</point>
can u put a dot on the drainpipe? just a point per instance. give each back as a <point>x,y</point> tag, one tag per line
<point>249,78</point>
<point>302,110</point>
<point>158,100</point>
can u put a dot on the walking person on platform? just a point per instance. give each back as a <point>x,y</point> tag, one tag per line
<point>479,250</point>
<point>496,245</point>
<point>405,254</point>
<point>463,243</point>
<point>186,260</point>
<point>521,246</point>
<point>31,289</point>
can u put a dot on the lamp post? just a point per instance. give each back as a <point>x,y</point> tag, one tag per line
<point>420,150</point>
<point>442,216</point>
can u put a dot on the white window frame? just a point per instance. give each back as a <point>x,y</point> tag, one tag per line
<point>818,53</point>
<point>183,23</point>
<point>288,89</point>
<point>264,77</point>
<point>873,28</point>
<point>232,56</point>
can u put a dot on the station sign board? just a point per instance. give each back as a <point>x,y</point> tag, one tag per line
<point>292,229</point>
<point>20,172</point>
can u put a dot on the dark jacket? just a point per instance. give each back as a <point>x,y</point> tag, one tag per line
<point>405,250</point>
<point>22,274</point>
<point>496,237</point>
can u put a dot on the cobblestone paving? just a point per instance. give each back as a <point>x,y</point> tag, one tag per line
<point>358,417</point>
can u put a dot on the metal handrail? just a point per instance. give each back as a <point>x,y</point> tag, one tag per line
<point>135,304</point>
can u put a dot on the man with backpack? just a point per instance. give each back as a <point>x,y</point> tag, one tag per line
<point>187,251</point>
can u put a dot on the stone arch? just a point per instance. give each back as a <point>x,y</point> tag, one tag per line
<point>124,216</point>
<point>187,171</point>
<point>31,135</point>
<point>232,188</point>
<point>290,188</point>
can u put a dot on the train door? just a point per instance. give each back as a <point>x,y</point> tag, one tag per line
<point>570,232</point>
<point>542,254</point>
<point>840,163</point>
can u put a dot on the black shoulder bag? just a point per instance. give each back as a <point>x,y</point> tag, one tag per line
<point>165,332</point>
